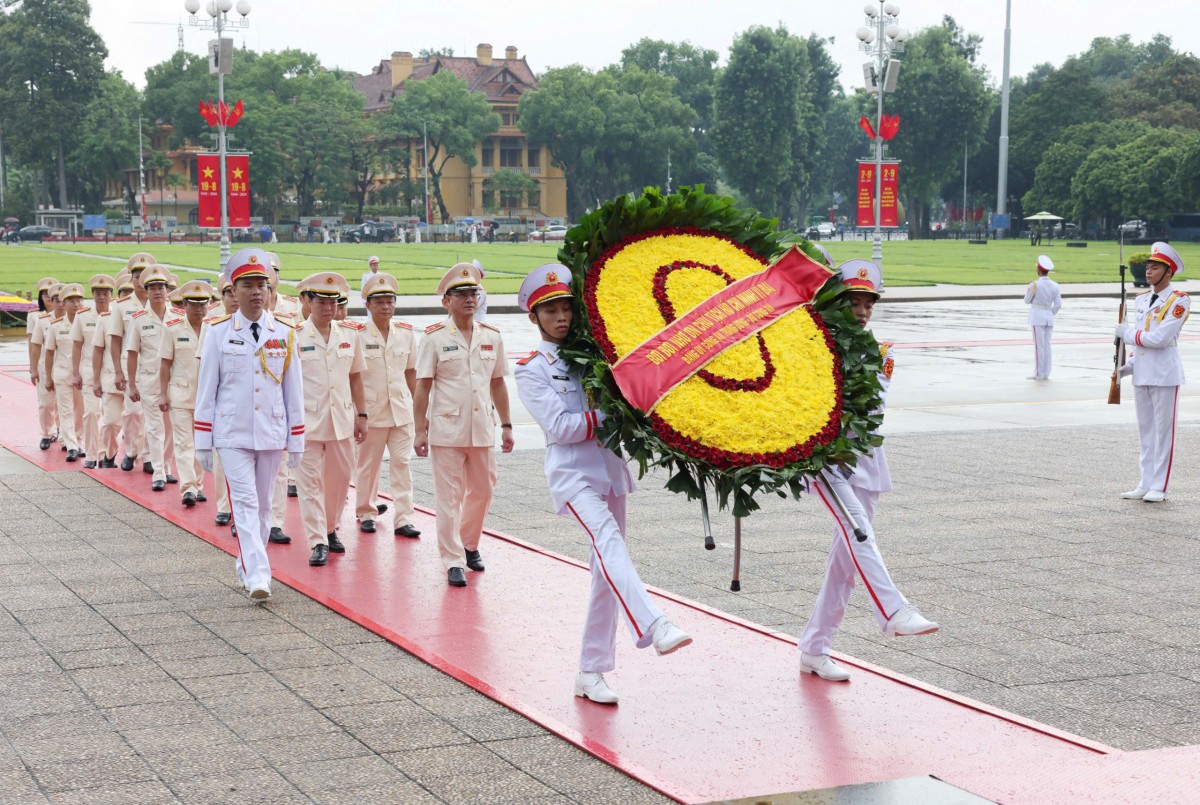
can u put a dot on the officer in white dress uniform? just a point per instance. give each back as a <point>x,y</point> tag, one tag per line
<point>1157,369</point>
<point>1044,300</point>
<point>250,407</point>
<point>590,482</point>
<point>860,491</point>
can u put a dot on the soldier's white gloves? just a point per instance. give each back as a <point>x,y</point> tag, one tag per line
<point>1125,371</point>
<point>205,457</point>
<point>294,460</point>
<point>1119,331</point>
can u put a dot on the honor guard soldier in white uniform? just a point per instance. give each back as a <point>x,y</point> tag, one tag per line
<point>224,510</point>
<point>389,350</point>
<point>590,482</point>
<point>58,351</point>
<point>331,359</point>
<point>179,371</point>
<point>1157,369</point>
<point>144,333</point>
<point>1044,300</point>
<point>859,490</point>
<point>133,433</point>
<point>371,272</point>
<point>47,424</point>
<point>460,379</point>
<point>83,334</point>
<point>250,407</point>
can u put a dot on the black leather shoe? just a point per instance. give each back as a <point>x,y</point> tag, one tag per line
<point>171,479</point>
<point>107,464</point>
<point>407,531</point>
<point>335,544</point>
<point>380,507</point>
<point>474,560</point>
<point>320,556</point>
<point>189,499</point>
<point>72,455</point>
<point>292,491</point>
<point>64,448</point>
<point>44,443</point>
<point>222,518</point>
<point>457,577</point>
<point>200,498</point>
<point>147,468</point>
<point>127,464</point>
<point>89,465</point>
<point>278,537</point>
<point>158,486</point>
<point>233,531</point>
<point>367,526</point>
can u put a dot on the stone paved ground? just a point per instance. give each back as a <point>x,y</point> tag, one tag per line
<point>126,654</point>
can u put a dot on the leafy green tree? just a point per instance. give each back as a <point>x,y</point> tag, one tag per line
<point>455,118</point>
<point>1164,94</point>
<point>1052,188</point>
<point>51,66</point>
<point>108,144</point>
<point>1138,178</point>
<point>510,188</point>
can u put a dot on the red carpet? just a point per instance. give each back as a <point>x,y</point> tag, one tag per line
<point>727,717</point>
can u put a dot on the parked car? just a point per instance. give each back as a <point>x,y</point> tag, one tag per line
<point>370,231</point>
<point>823,230</point>
<point>35,232</point>
<point>1133,229</point>
<point>548,233</point>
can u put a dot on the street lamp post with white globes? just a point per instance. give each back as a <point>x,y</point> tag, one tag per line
<point>220,61</point>
<point>881,37</point>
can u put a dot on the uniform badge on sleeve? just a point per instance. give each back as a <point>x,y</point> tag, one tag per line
<point>1178,312</point>
<point>888,366</point>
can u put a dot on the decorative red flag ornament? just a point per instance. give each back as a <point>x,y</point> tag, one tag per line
<point>239,189</point>
<point>865,125</point>
<point>208,167</point>
<point>889,126</point>
<point>221,114</point>
<point>238,110</point>
<point>207,113</point>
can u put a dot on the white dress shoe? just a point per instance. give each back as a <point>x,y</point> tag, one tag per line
<point>668,637</point>
<point>260,593</point>
<point>591,685</point>
<point>823,666</point>
<point>1154,496</point>
<point>1134,494</point>
<point>909,622</point>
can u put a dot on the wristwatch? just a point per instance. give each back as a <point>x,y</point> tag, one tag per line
<point>364,416</point>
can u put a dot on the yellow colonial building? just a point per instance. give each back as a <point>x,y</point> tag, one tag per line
<point>466,189</point>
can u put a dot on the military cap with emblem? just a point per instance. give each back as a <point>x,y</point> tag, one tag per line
<point>328,284</point>
<point>462,275</point>
<point>862,275</point>
<point>195,291</point>
<point>224,282</point>
<point>71,290</point>
<point>55,289</point>
<point>247,263</point>
<point>172,280</point>
<point>1165,253</point>
<point>124,281</point>
<point>102,281</point>
<point>343,301</point>
<point>139,261</point>
<point>381,285</point>
<point>551,281</point>
<point>156,275</point>
<point>274,260</point>
<point>45,284</point>
<point>1044,263</point>
<point>372,260</point>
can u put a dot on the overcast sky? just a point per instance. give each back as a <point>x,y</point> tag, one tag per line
<point>356,35</point>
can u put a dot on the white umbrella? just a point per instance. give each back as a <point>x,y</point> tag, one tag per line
<point>1043,216</point>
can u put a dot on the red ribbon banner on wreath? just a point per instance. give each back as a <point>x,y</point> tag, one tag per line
<point>728,317</point>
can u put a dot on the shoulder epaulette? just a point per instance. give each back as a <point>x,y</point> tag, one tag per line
<point>178,310</point>
<point>45,314</point>
<point>172,321</point>
<point>433,328</point>
<point>135,314</point>
<point>403,325</point>
<point>528,358</point>
<point>106,313</point>
<point>56,321</point>
<point>219,319</point>
<point>277,315</point>
<point>353,325</point>
<point>290,324</point>
<point>489,326</point>
<point>83,310</point>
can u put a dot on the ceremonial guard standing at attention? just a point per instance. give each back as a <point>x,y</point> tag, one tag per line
<point>859,490</point>
<point>371,272</point>
<point>460,380</point>
<point>250,407</point>
<point>1157,369</point>
<point>144,333</point>
<point>47,405</point>
<point>1044,300</point>
<point>180,369</point>
<point>133,433</point>
<point>590,482</point>
<point>83,334</point>
<point>389,381</point>
<point>58,351</point>
<point>331,359</point>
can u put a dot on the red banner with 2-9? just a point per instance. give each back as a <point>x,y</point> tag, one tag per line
<point>889,214</point>
<point>209,168</point>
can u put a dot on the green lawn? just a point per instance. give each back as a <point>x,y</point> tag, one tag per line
<point>418,267</point>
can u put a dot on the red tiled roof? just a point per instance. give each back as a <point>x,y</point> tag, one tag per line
<point>376,86</point>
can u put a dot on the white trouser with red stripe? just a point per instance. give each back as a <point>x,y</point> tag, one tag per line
<point>251,478</point>
<point>849,558</point>
<point>1041,350</point>
<point>617,590</point>
<point>1156,410</point>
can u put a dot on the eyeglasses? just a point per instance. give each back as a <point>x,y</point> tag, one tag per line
<point>465,293</point>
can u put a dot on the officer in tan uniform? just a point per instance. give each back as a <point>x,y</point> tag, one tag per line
<point>460,379</point>
<point>47,406</point>
<point>343,308</point>
<point>104,378</point>
<point>335,416</point>
<point>58,350</point>
<point>179,372</point>
<point>144,333</point>
<point>83,334</point>
<point>282,304</point>
<point>133,432</point>
<point>389,382</point>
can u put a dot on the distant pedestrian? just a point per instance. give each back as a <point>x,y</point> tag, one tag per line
<point>1044,300</point>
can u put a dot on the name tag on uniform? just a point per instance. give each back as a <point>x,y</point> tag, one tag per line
<point>487,347</point>
<point>451,348</point>
<point>372,346</point>
<point>147,326</point>
<point>307,349</point>
<point>183,338</point>
<point>560,377</point>
<point>235,341</point>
